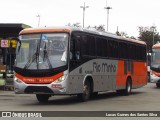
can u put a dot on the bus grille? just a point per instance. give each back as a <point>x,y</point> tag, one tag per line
<point>37,89</point>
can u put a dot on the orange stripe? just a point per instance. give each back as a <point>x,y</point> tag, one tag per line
<point>157,74</point>
<point>27,31</point>
<point>156,47</point>
<point>39,80</point>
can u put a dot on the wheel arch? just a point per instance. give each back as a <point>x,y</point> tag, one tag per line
<point>89,78</point>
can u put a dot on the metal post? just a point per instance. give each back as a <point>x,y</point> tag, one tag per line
<point>84,8</point>
<point>153,36</point>
<point>153,28</point>
<point>107,8</point>
<point>38,20</point>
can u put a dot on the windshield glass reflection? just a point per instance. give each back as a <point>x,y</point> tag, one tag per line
<point>42,51</point>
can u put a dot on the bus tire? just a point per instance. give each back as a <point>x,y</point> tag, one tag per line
<point>94,94</point>
<point>128,87</point>
<point>127,90</point>
<point>86,92</point>
<point>42,98</point>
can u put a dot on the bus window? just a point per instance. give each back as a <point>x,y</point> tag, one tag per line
<point>101,45</point>
<point>88,45</point>
<point>112,48</point>
<point>75,47</point>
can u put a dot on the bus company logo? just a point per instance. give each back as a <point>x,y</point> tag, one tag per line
<point>36,80</point>
<point>28,79</point>
<point>104,67</point>
<point>6,114</point>
<point>43,80</point>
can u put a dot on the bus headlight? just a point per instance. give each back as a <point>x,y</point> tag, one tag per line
<point>60,79</point>
<point>17,80</point>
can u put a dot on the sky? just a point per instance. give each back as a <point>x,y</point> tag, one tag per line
<point>127,15</point>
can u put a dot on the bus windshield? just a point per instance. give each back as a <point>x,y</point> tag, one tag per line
<point>155,61</point>
<point>42,51</point>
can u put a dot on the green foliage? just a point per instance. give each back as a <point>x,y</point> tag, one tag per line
<point>149,35</point>
<point>118,33</point>
<point>74,25</point>
<point>98,28</point>
<point>124,34</point>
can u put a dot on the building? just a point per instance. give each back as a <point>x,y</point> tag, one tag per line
<point>8,34</point>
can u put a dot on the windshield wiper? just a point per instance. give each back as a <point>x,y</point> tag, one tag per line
<point>32,59</point>
<point>36,57</point>
<point>46,56</point>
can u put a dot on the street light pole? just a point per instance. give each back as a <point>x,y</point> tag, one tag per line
<point>107,8</point>
<point>84,8</point>
<point>38,20</point>
<point>153,28</point>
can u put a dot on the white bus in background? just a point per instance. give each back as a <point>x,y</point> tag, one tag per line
<point>155,65</point>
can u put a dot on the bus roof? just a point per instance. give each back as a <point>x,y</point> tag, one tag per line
<point>68,29</point>
<point>156,46</point>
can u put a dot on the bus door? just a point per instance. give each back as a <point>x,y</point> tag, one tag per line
<point>75,54</point>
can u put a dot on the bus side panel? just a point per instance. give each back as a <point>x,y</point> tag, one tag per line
<point>102,71</point>
<point>121,77</point>
<point>140,74</point>
<point>75,83</point>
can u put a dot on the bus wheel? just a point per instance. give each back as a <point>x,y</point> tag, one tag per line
<point>94,94</point>
<point>42,97</point>
<point>128,87</point>
<point>127,90</point>
<point>86,92</point>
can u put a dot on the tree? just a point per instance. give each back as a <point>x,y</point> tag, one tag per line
<point>118,33</point>
<point>149,35</point>
<point>98,28</point>
<point>74,25</point>
<point>132,37</point>
<point>101,28</point>
<point>123,34</point>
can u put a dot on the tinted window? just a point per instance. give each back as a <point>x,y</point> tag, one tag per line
<point>75,46</point>
<point>131,51</point>
<point>88,45</point>
<point>123,50</point>
<point>113,49</point>
<point>101,44</point>
<point>141,53</point>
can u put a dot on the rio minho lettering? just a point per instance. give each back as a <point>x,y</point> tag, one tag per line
<point>104,67</point>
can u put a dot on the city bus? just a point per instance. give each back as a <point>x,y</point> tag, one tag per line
<point>155,65</point>
<point>75,61</point>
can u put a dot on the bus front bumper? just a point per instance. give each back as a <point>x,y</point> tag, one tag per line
<point>154,79</point>
<point>54,89</point>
